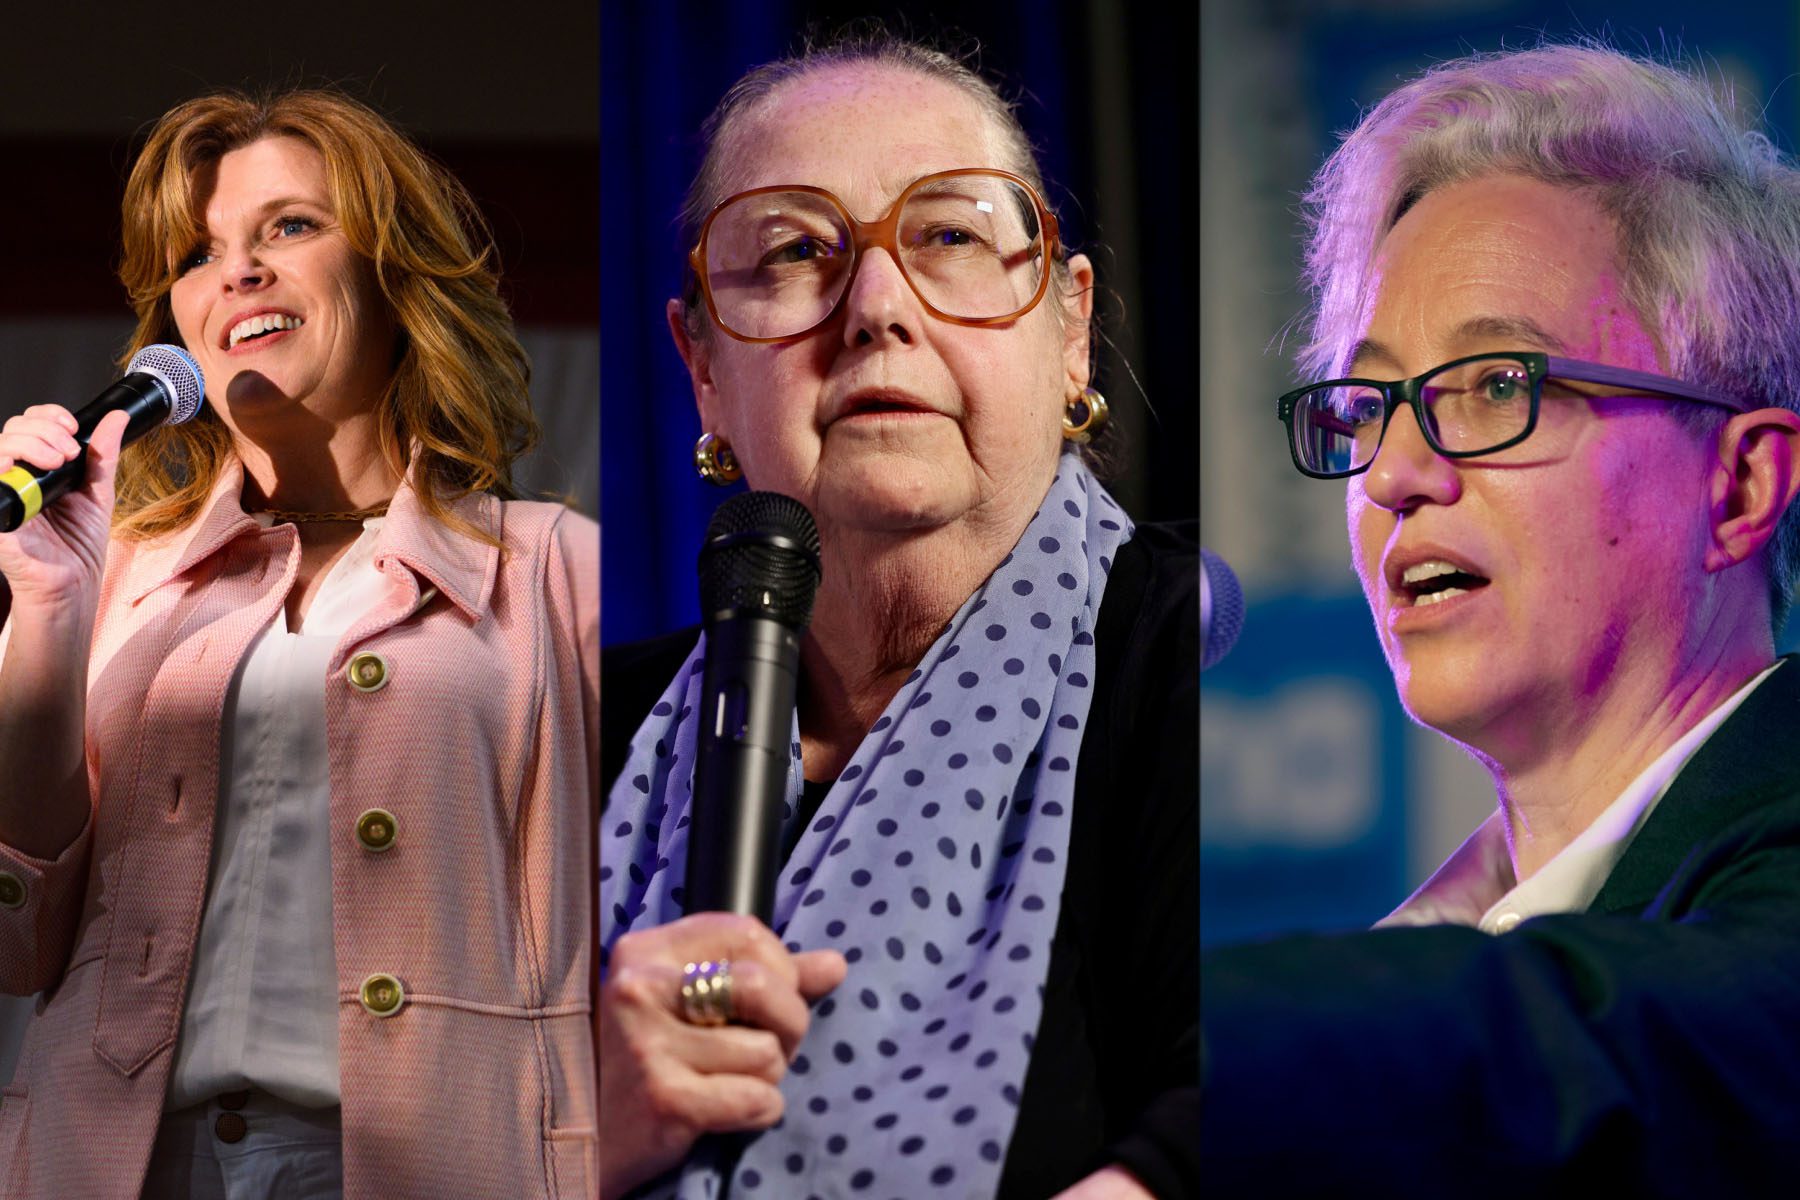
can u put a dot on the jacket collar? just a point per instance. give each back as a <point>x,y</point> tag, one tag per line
<point>460,567</point>
<point>222,519</point>
<point>1729,777</point>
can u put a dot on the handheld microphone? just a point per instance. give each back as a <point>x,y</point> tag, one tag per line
<point>1221,608</point>
<point>759,570</point>
<point>161,384</point>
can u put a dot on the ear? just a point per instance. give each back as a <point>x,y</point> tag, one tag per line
<point>1754,481</point>
<point>1078,313</point>
<point>696,355</point>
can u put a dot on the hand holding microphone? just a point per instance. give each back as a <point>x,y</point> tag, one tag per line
<point>664,1079</point>
<point>58,467</point>
<point>52,565</point>
<point>161,384</point>
<point>665,1082</point>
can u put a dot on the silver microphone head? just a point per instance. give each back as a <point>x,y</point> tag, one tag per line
<point>179,374</point>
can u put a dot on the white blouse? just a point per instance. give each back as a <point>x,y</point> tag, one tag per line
<point>262,1004</point>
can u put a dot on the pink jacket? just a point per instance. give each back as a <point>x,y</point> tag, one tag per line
<point>481,739</point>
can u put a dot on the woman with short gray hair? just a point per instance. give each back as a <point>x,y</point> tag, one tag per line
<point>1555,357</point>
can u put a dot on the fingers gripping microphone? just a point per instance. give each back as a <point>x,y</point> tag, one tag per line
<point>161,384</point>
<point>759,570</point>
<point>1221,609</point>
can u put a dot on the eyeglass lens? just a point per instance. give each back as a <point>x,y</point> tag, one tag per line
<point>1469,407</point>
<point>778,262</point>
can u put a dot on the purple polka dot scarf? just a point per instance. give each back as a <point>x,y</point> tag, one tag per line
<point>935,865</point>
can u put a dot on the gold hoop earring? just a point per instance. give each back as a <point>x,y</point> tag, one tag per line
<point>1084,416</point>
<point>715,461</point>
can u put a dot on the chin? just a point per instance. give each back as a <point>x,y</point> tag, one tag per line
<point>1452,694</point>
<point>254,385</point>
<point>889,497</point>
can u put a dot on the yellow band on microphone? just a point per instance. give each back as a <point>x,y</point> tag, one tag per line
<point>26,485</point>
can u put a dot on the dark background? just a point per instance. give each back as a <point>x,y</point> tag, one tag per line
<point>1107,93</point>
<point>509,105</point>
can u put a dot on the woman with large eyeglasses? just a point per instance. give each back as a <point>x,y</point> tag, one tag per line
<point>988,891</point>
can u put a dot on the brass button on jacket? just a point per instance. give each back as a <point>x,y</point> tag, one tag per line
<point>12,890</point>
<point>376,829</point>
<point>230,1127</point>
<point>367,672</point>
<point>383,995</point>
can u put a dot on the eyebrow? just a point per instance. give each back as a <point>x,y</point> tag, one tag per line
<point>1511,327</point>
<point>272,206</point>
<point>280,202</point>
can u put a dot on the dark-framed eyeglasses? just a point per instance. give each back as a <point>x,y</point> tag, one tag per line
<point>976,245</point>
<point>1466,407</point>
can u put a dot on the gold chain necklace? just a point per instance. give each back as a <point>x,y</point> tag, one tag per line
<point>301,518</point>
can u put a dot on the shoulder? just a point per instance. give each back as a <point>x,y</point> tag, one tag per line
<point>552,552</point>
<point>1170,542</point>
<point>634,674</point>
<point>1150,614</point>
<point>1737,800</point>
<point>576,536</point>
<point>567,540</point>
<point>1160,565</point>
<point>650,662</point>
<point>578,546</point>
<point>1140,753</point>
<point>1744,876</point>
<point>1138,778</point>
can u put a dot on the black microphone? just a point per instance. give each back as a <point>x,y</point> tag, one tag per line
<point>161,384</point>
<point>1221,608</point>
<point>759,570</point>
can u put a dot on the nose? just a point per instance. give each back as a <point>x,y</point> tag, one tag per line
<point>243,268</point>
<point>881,304</point>
<point>1406,471</point>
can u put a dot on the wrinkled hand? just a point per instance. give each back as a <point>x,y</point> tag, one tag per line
<point>56,558</point>
<point>664,1082</point>
<point>1108,1183</point>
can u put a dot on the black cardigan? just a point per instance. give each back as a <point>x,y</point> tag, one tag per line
<point>1113,1074</point>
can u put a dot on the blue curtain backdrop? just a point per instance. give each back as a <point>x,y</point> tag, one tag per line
<point>1110,101</point>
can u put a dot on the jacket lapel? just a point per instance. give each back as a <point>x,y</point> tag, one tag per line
<point>1730,776</point>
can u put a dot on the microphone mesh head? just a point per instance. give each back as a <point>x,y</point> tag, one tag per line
<point>179,374</point>
<point>761,554</point>
<point>1227,609</point>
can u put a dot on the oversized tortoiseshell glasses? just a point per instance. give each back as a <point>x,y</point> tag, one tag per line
<point>975,244</point>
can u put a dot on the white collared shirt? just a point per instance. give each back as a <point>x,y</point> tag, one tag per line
<point>262,1006</point>
<point>1476,885</point>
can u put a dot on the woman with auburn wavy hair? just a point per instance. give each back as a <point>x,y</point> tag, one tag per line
<point>300,860</point>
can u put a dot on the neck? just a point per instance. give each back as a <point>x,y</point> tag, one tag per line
<point>1580,754</point>
<point>883,599</point>
<point>340,470</point>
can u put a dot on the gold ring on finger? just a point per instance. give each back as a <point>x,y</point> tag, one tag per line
<point>706,992</point>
